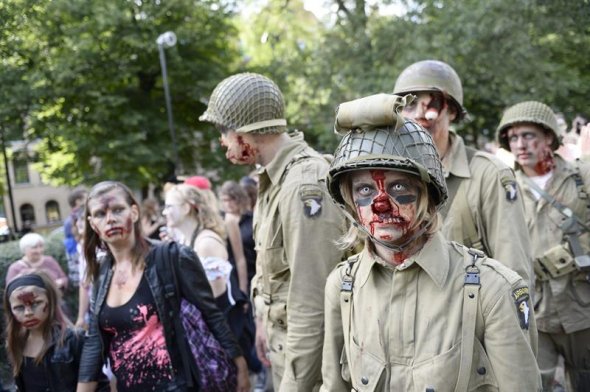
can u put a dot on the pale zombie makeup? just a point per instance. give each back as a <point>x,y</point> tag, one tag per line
<point>239,149</point>
<point>110,216</point>
<point>531,148</point>
<point>386,203</point>
<point>173,208</point>
<point>30,306</point>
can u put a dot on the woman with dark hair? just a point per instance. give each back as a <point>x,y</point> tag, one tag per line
<point>131,323</point>
<point>235,203</point>
<point>42,346</point>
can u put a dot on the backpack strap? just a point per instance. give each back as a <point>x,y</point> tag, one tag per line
<point>471,286</point>
<point>166,257</point>
<point>346,287</point>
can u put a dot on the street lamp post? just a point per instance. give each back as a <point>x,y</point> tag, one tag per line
<point>168,40</point>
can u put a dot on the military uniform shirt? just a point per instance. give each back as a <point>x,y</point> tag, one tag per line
<point>562,302</point>
<point>296,224</point>
<point>405,326</point>
<point>490,191</point>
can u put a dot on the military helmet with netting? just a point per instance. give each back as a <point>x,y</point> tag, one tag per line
<point>247,102</point>
<point>407,148</point>
<point>528,112</point>
<point>432,76</point>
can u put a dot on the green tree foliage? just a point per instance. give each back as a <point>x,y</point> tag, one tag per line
<point>97,99</point>
<point>504,51</point>
<point>84,77</point>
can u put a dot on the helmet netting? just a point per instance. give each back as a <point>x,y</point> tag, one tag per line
<point>247,102</point>
<point>409,149</point>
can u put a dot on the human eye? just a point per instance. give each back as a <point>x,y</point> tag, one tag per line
<point>397,188</point>
<point>529,136</point>
<point>364,190</point>
<point>18,308</point>
<point>98,214</point>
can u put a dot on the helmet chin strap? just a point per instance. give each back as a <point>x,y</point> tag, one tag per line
<point>390,246</point>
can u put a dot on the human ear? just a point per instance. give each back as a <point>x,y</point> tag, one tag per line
<point>134,213</point>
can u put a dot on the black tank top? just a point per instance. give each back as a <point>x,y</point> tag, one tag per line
<point>136,345</point>
<point>34,376</point>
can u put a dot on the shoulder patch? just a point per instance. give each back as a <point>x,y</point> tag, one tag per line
<point>521,301</point>
<point>510,188</point>
<point>312,198</point>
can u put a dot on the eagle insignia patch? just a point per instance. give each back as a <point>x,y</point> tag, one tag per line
<point>511,190</point>
<point>521,301</point>
<point>312,201</point>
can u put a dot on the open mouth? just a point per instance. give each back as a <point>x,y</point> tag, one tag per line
<point>387,219</point>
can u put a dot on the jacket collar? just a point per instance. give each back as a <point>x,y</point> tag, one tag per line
<point>275,169</point>
<point>433,258</point>
<point>455,161</point>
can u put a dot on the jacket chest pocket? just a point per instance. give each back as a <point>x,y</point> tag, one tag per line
<point>441,372</point>
<point>366,369</point>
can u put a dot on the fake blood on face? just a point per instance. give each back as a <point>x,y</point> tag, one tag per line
<point>27,297</point>
<point>545,164</point>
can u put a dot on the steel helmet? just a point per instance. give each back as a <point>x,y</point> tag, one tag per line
<point>528,112</point>
<point>405,147</point>
<point>247,102</point>
<point>432,75</point>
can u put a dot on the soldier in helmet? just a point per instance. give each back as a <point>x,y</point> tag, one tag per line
<point>413,311</point>
<point>484,210</point>
<point>557,205</point>
<point>295,226</point>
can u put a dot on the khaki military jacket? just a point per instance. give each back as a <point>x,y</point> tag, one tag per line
<point>563,302</point>
<point>488,196</point>
<point>405,326</point>
<point>295,226</point>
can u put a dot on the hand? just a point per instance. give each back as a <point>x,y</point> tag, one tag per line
<point>243,375</point>
<point>80,323</point>
<point>261,343</point>
<point>59,283</point>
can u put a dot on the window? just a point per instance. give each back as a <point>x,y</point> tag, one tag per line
<point>21,170</point>
<point>27,215</point>
<point>52,211</point>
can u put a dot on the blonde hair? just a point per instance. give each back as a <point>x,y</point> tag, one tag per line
<point>203,209</point>
<point>426,212</point>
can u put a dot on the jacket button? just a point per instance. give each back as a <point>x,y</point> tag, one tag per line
<point>365,380</point>
<point>281,322</point>
<point>280,347</point>
<point>481,370</point>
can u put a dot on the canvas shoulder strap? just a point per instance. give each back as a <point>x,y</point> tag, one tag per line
<point>466,231</point>
<point>471,286</point>
<point>346,287</point>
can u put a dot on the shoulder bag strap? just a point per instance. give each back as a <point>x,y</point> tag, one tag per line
<point>565,211</point>
<point>471,287</point>
<point>168,255</point>
<point>346,299</point>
